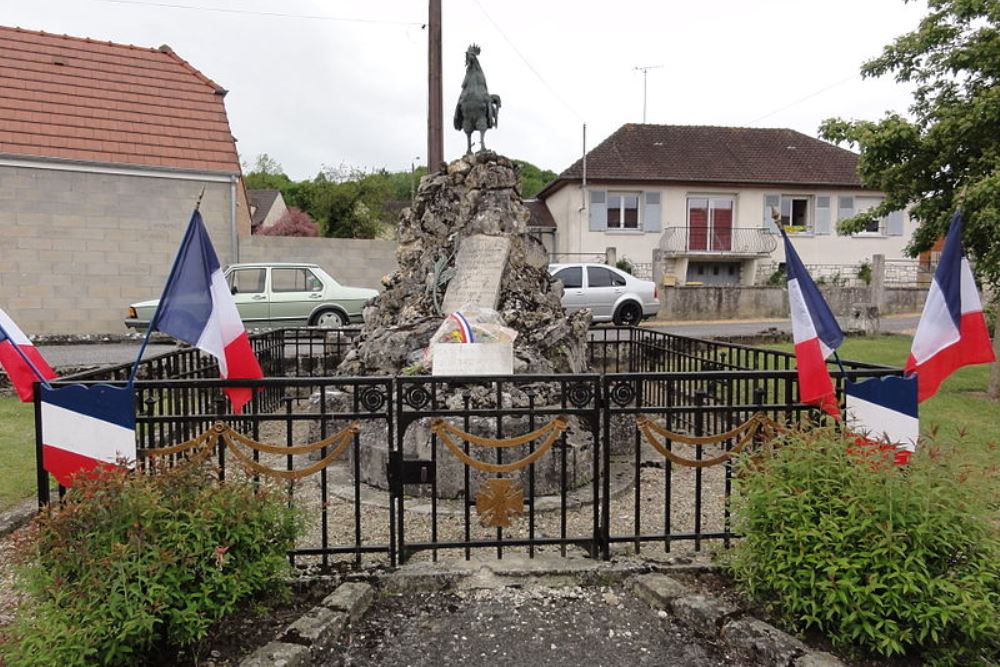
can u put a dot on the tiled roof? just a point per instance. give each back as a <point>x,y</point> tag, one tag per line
<point>261,202</point>
<point>84,100</point>
<point>705,154</point>
<point>541,217</point>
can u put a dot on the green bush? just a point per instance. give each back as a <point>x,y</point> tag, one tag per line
<point>777,278</point>
<point>865,272</point>
<point>129,563</point>
<point>625,264</point>
<point>892,560</point>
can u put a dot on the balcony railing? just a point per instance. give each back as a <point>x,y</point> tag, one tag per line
<point>734,241</point>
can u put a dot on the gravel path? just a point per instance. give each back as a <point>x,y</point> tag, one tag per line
<point>535,626</point>
<point>419,527</point>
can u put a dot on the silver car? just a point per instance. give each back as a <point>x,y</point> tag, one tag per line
<point>281,294</point>
<point>610,294</point>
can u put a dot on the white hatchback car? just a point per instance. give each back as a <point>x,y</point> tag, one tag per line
<point>610,294</point>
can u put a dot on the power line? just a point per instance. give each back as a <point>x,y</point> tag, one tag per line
<point>226,10</point>
<point>525,61</point>
<point>803,99</point>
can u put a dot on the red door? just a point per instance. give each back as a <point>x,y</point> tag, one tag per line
<point>722,224</point>
<point>697,224</point>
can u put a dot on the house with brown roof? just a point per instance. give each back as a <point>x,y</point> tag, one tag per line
<point>700,198</point>
<point>104,149</point>
<point>266,208</point>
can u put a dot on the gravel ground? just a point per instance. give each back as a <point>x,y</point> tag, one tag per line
<point>9,596</point>
<point>533,626</point>
<point>419,527</point>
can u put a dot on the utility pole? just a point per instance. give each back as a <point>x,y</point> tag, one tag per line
<point>645,71</point>
<point>435,106</point>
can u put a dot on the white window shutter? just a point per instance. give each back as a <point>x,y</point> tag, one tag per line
<point>845,207</point>
<point>894,224</point>
<point>651,212</point>
<point>771,201</point>
<point>598,210</point>
<point>822,215</point>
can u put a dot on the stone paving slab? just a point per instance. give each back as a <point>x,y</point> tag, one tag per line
<point>279,654</point>
<point>565,626</point>
<point>318,629</point>
<point>352,598</point>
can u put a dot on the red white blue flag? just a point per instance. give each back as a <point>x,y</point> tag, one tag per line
<point>86,427</point>
<point>22,360</point>
<point>883,412</point>
<point>952,330</point>
<point>815,332</point>
<point>198,308</point>
<point>464,329</point>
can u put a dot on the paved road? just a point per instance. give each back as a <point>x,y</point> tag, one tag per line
<point>98,354</point>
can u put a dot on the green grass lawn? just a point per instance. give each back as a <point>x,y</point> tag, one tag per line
<point>17,451</point>
<point>959,405</point>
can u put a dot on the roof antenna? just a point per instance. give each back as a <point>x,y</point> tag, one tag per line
<point>645,71</point>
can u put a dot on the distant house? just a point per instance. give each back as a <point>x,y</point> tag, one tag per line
<point>541,224</point>
<point>266,208</point>
<point>104,150</point>
<point>701,197</point>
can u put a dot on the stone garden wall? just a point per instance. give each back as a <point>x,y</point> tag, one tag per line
<point>741,302</point>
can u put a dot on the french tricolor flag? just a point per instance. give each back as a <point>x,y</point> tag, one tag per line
<point>22,360</point>
<point>815,332</point>
<point>86,427</point>
<point>952,330</point>
<point>198,308</point>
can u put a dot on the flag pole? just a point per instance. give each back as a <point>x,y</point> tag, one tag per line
<point>159,305</point>
<point>25,359</point>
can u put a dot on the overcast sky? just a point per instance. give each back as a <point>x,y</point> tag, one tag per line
<point>343,82</point>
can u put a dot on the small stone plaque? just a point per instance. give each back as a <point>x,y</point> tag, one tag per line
<point>478,271</point>
<point>472,359</point>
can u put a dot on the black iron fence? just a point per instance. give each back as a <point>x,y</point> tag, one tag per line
<point>390,468</point>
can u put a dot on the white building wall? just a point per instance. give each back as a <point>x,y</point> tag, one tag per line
<point>574,235</point>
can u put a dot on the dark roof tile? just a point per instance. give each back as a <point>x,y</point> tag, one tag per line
<point>707,154</point>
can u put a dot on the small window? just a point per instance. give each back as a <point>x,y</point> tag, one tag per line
<point>246,281</point>
<point>599,277</point>
<point>865,203</point>
<point>623,210</point>
<point>295,280</point>
<point>571,277</point>
<point>795,214</point>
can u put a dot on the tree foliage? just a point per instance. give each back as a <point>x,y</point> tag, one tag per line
<point>947,156</point>
<point>294,222</point>
<point>533,179</point>
<point>353,203</point>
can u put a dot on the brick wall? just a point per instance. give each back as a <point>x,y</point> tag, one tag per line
<point>76,248</point>
<point>354,262</point>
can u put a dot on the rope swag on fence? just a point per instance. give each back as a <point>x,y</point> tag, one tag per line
<point>223,435</point>
<point>550,431</point>
<point>758,424</point>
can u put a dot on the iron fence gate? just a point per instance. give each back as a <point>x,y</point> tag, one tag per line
<point>389,468</point>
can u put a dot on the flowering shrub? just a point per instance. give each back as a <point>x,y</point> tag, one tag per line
<point>294,222</point>
<point>890,559</point>
<point>128,562</point>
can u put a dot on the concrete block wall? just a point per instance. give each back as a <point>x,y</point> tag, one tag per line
<point>78,247</point>
<point>735,302</point>
<point>354,262</point>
